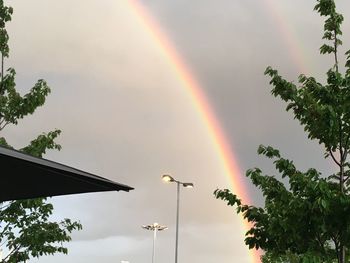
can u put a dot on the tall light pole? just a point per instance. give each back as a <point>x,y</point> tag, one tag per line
<point>155,227</point>
<point>168,178</point>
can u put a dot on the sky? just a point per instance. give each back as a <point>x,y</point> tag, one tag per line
<point>127,116</point>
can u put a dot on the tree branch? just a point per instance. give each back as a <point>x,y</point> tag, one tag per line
<point>3,231</point>
<point>336,246</point>
<point>2,127</point>
<point>336,51</point>
<point>12,252</point>
<point>2,74</point>
<point>334,159</point>
<point>347,141</point>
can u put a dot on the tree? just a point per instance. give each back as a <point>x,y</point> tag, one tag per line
<point>25,226</point>
<point>308,219</point>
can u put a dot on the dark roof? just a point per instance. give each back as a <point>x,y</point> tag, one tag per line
<point>24,176</point>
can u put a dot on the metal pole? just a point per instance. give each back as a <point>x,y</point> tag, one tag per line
<point>177,220</point>
<point>154,245</point>
<point>155,227</point>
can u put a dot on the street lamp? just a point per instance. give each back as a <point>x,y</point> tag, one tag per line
<point>155,227</point>
<point>169,179</point>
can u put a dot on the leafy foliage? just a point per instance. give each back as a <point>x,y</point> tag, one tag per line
<point>307,219</point>
<point>13,106</point>
<point>25,226</point>
<point>27,231</point>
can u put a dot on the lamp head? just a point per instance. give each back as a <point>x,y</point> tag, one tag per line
<point>188,185</point>
<point>167,178</point>
<point>148,227</point>
<point>161,228</point>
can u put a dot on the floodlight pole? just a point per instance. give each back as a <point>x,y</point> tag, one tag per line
<point>154,244</point>
<point>168,178</point>
<point>155,228</point>
<point>177,219</point>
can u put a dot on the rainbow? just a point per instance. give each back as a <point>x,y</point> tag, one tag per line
<point>287,33</point>
<point>201,104</point>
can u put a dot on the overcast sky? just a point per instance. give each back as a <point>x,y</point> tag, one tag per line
<point>127,117</point>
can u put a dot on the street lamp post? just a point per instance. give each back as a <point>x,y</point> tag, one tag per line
<point>155,227</point>
<point>168,178</point>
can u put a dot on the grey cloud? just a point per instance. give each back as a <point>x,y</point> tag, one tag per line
<point>125,116</point>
